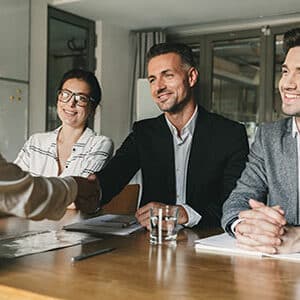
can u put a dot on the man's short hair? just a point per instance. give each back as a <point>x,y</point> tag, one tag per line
<point>184,51</point>
<point>291,39</point>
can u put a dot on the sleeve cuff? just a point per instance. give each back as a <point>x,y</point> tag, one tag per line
<point>193,217</point>
<point>234,224</point>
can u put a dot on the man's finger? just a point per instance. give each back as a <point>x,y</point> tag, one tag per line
<point>264,239</point>
<point>257,242</point>
<point>264,249</point>
<point>143,217</point>
<point>259,226</point>
<point>92,177</point>
<point>263,213</point>
<point>255,204</point>
<point>144,209</point>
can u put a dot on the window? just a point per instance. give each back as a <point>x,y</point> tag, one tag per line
<point>239,73</point>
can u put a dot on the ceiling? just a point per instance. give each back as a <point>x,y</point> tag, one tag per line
<point>141,14</point>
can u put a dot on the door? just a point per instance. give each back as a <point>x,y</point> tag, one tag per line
<point>71,44</point>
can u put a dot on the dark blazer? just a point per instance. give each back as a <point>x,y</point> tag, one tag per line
<point>218,154</point>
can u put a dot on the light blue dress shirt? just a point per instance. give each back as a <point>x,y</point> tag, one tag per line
<point>182,146</point>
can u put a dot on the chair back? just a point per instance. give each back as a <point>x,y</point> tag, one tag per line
<point>125,202</point>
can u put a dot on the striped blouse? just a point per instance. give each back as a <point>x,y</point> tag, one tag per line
<point>39,154</point>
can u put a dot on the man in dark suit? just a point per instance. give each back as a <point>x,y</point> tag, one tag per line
<point>188,157</point>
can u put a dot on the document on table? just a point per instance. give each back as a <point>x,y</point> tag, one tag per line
<point>33,242</point>
<point>225,244</point>
<point>107,224</point>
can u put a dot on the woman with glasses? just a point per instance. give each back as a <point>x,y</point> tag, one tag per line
<point>72,149</point>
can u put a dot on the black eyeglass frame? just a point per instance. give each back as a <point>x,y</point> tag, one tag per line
<point>72,95</point>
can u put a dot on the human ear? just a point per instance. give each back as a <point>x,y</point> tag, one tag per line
<point>193,76</point>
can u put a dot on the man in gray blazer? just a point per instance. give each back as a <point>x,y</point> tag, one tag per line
<point>266,197</point>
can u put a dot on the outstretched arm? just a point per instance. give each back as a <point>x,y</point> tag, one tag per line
<point>39,197</point>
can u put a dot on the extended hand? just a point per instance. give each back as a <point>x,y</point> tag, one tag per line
<point>88,195</point>
<point>143,214</point>
<point>261,228</point>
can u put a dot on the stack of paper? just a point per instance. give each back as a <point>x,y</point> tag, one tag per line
<point>33,242</point>
<point>107,224</point>
<point>225,244</point>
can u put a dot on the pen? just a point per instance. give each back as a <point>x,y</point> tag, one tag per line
<point>115,224</point>
<point>84,256</point>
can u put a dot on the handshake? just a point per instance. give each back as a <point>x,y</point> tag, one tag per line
<point>88,194</point>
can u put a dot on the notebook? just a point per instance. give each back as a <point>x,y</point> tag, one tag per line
<point>107,224</point>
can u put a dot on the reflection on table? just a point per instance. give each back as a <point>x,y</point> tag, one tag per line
<point>139,270</point>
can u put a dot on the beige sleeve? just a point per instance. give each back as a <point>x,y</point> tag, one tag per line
<point>34,197</point>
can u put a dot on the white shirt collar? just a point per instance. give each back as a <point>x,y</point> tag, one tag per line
<point>87,133</point>
<point>295,130</point>
<point>189,127</point>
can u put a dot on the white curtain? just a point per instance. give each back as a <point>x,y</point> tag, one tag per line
<point>141,43</point>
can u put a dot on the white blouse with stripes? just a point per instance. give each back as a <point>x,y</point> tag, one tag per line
<point>39,154</point>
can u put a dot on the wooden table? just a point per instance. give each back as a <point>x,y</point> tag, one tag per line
<point>138,270</point>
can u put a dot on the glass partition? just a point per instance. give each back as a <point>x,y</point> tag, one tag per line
<point>236,80</point>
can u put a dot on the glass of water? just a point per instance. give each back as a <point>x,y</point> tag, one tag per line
<point>163,221</point>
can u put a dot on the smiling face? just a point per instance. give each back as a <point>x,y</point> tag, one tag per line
<point>69,113</point>
<point>289,84</point>
<point>171,82</point>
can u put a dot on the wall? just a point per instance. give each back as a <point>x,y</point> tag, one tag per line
<point>113,68</point>
<point>14,70</point>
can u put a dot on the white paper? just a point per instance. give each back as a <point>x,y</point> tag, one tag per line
<point>225,244</point>
<point>35,242</point>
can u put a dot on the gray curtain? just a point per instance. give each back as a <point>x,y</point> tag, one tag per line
<point>141,43</point>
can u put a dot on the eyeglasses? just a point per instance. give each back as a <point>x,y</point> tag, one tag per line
<point>79,98</point>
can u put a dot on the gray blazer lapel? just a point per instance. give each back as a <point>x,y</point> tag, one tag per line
<point>290,169</point>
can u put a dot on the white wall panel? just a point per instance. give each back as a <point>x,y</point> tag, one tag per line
<point>13,117</point>
<point>14,35</point>
<point>145,105</point>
